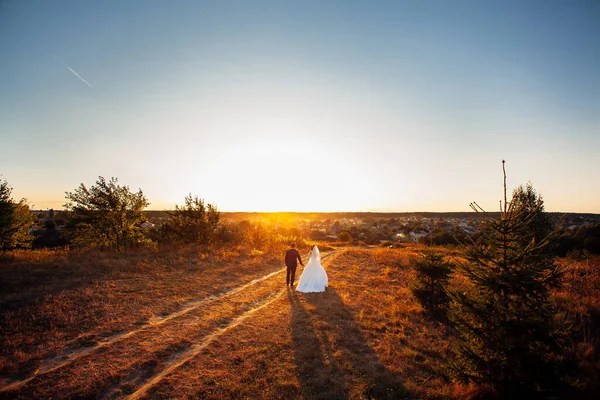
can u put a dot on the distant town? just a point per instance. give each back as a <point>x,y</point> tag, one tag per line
<point>370,228</point>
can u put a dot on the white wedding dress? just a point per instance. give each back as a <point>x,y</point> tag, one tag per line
<point>314,278</point>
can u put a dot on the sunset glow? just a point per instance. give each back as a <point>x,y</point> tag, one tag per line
<point>302,106</point>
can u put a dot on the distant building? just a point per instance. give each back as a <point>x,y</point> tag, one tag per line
<point>147,225</point>
<point>415,236</point>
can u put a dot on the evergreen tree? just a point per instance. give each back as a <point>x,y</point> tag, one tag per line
<point>106,215</point>
<point>16,221</point>
<point>194,222</point>
<point>432,273</point>
<point>510,332</point>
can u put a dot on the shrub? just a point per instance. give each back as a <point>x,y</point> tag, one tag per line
<point>194,222</point>
<point>429,287</point>
<point>592,244</point>
<point>230,233</point>
<point>345,237</point>
<point>50,224</point>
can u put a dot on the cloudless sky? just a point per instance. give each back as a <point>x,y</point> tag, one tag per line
<point>303,105</point>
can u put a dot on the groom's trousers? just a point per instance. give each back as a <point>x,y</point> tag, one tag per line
<point>290,274</point>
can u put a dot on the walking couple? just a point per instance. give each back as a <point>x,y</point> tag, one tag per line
<point>313,279</point>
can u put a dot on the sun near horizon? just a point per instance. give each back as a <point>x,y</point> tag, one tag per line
<point>303,106</point>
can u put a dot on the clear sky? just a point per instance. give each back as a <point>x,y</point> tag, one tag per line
<point>303,105</point>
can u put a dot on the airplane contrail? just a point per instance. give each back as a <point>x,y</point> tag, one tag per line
<point>72,71</point>
<point>79,76</point>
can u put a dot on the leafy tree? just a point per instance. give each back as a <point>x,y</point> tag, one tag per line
<point>345,237</point>
<point>50,224</point>
<point>193,222</point>
<point>106,215</point>
<point>337,225</point>
<point>511,335</point>
<point>531,205</point>
<point>49,236</point>
<point>16,220</point>
<point>432,273</point>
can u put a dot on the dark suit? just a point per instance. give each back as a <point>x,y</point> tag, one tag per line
<point>291,261</point>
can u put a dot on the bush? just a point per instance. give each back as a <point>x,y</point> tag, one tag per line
<point>432,273</point>
<point>345,237</point>
<point>194,222</point>
<point>584,238</point>
<point>229,233</point>
<point>592,244</point>
<point>258,237</point>
<point>50,224</point>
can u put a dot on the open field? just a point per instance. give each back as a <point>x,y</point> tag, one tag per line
<point>219,323</point>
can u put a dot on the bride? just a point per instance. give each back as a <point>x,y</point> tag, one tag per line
<point>314,278</point>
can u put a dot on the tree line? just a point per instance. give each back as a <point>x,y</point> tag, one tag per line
<point>107,215</point>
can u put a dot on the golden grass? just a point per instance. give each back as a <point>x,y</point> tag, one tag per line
<point>191,323</point>
<point>365,337</point>
<point>579,298</point>
<point>54,300</point>
<point>113,369</point>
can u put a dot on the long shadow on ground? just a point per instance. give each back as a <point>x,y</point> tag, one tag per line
<point>333,360</point>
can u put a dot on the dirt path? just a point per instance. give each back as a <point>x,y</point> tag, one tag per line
<point>180,358</point>
<point>130,363</point>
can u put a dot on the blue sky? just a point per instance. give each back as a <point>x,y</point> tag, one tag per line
<point>303,105</point>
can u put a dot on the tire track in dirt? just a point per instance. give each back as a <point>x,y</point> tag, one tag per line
<point>180,358</point>
<point>70,356</point>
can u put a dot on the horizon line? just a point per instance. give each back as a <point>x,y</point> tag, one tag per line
<point>344,212</point>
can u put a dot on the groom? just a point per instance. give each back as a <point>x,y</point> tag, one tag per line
<point>291,256</point>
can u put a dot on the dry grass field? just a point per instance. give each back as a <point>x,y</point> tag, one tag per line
<point>220,323</point>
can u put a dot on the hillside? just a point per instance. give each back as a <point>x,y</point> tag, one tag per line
<point>215,324</point>
<point>220,327</point>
